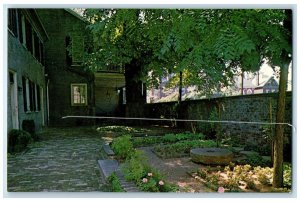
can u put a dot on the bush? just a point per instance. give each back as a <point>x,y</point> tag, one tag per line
<point>287,175</point>
<point>135,166</point>
<point>122,146</point>
<point>114,182</point>
<point>181,148</point>
<point>18,140</point>
<point>147,179</point>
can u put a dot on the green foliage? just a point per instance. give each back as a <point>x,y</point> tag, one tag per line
<point>147,179</point>
<point>256,160</point>
<point>264,175</point>
<point>167,138</point>
<point>18,140</point>
<point>135,166</point>
<point>287,175</point>
<point>181,148</point>
<point>145,141</point>
<point>122,146</point>
<point>114,182</point>
<point>208,45</point>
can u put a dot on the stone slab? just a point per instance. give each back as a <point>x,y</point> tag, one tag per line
<point>211,156</point>
<point>108,150</point>
<point>108,166</point>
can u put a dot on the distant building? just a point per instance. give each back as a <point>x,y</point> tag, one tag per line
<point>263,81</point>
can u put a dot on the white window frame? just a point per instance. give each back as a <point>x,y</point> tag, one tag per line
<point>72,94</point>
<point>23,30</point>
<point>27,96</point>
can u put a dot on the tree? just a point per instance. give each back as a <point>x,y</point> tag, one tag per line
<point>206,47</point>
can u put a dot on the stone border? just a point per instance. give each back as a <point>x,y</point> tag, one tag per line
<point>108,166</point>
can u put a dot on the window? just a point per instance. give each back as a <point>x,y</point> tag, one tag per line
<point>78,94</point>
<point>12,21</point>
<point>28,30</point>
<point>31,96</point>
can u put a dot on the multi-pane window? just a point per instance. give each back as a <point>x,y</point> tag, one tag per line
<point>79,94</point>
<point>31,96</point>
<point>22,29</point>
<point>12,21</point>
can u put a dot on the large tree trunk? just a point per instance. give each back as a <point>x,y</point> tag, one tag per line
<point>135,90</point>
<point>279,129</point>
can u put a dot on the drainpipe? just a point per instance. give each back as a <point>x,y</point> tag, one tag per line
<point>48,101</point>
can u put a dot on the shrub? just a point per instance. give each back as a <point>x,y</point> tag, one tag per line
<point>147,179</point>
<point>122,146</point>
<point>135,166</point>
<point>114,182</point>
<point>287,175</point>
<point>181,148</point>
<point>169,138</point>
<point>29,126</point>
<point>264,175</point>
<point>18,140</point>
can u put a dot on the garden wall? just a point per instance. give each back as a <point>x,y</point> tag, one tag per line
<point>249,108</point>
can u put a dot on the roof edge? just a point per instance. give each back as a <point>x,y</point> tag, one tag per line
<point>75,14</point>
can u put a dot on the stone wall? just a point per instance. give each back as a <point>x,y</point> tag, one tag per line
<point>248,108</point>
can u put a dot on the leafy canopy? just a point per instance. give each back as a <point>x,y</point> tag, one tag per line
<point>208,45</point>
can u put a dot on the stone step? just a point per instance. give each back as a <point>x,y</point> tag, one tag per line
<point>108,166</point>
<point>108,150</point>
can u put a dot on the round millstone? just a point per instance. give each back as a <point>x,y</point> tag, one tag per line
<point>211,156</point>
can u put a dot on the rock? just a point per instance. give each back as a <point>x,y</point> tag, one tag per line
<point>211,156</point>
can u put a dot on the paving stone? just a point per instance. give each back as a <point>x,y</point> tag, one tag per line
<point>48,165</point>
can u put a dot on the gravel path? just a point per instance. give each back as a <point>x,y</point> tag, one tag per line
<point>66,160</point>
<point>175,170</point>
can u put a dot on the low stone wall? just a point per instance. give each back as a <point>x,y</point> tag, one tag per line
<point>248,108</point>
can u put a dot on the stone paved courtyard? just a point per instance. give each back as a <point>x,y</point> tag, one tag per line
<point>64,160</point>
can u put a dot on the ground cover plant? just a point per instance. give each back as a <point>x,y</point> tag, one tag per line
<point>136,168</point>
<point>181,148</point>
<point>241,178</point>
<point>121,129</point>
<point>167,138</point>
<point>114,184</point>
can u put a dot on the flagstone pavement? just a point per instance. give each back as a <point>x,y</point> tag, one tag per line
<point>64,161</point>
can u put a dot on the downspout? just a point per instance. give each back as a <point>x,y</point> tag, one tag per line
<point>48,102</point>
